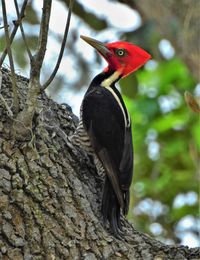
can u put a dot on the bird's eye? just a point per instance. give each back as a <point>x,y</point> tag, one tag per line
<point>120,52</point>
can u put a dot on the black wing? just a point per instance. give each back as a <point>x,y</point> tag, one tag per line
<point>104,123</point>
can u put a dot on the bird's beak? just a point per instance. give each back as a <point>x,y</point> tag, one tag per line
<point>99,46</point>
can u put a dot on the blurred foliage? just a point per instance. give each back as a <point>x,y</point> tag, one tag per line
<point>166,140</point>
<point>32,17</point>
<point>89,18</point>
<point>165,131</point>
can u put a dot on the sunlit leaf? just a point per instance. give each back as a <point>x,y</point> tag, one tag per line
<point>178,213</point>
<point>166,122</point>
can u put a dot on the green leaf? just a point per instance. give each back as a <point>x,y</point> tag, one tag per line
<point>168,121</point>
<point>129,86</point>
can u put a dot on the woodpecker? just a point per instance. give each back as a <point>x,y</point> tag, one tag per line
<point>104,129</point>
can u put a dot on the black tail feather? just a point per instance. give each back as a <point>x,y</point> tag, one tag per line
<point>126,202</point>
<point>111,209</point>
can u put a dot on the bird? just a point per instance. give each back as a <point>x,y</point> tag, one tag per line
<point>104,129</point>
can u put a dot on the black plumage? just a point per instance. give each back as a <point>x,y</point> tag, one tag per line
<point>111,139</point>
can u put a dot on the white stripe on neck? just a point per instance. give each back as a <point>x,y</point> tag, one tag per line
<point>107,83</point>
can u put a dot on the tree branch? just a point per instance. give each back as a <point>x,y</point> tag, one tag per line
<point>96,23</point>
<point>22,30</point>
<point>42,42</point>
<point>9,51</point>
<point>12,36</point>
<point>192,102</point>
<point>24,120</point>
<point>47,83</point>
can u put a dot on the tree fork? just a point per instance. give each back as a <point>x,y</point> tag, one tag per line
<point>23,123</point>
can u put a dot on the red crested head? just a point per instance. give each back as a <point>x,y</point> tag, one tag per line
<point>124,57</point>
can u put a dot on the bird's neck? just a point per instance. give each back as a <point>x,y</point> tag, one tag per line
<point>106,79</point>
<point>111,79</point>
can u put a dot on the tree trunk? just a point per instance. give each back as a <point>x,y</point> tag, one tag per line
<point>50,195</point>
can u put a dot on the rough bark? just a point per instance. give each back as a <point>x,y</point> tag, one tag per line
<point>50,195</point>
